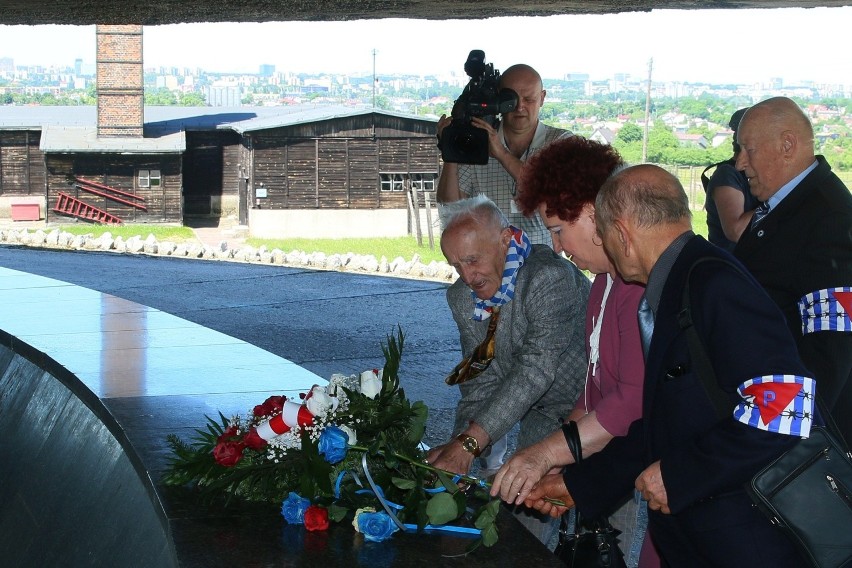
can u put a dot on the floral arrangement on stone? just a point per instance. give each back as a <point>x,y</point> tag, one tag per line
<point>348,450</point>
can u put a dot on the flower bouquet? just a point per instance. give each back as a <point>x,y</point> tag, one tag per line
<point>349,449</point>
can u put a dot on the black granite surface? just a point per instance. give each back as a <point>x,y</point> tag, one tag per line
<point>156,374</point>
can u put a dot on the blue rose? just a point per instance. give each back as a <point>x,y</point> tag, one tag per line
<point>332,444</point>
<point>376,527</point>
<point>293,508</point>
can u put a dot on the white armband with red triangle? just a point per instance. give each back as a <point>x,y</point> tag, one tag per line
<point>827,310</point>
<point>777,403</point>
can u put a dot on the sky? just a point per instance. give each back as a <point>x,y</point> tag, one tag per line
<point>717,46</point>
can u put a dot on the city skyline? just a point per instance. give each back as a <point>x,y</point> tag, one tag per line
<point>684,45</point>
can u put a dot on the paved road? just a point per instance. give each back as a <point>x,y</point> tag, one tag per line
<point>327,322</point>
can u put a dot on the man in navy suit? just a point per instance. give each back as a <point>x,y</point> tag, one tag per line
<point>690,460</point>
<point>801,248</point>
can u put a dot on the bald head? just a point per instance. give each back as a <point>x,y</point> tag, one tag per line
<point>639,212</point>
<point>523,73</point>
<point>519,125</point>
<point>647,194</point>
<point>777,142</point>
<point>780,113</point>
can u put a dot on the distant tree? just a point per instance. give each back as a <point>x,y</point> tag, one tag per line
<point>631,152</point>
<point>193,99</point>
<point>661,142</point>
<point>160,97</point>
<point>630,132</point>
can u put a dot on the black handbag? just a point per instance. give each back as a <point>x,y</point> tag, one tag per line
<point>592,543</point>
<point>807,491</point>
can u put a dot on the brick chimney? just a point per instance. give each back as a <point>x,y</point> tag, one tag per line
<point>120,80</point>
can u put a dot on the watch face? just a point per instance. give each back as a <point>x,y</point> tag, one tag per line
<point>470,444</point>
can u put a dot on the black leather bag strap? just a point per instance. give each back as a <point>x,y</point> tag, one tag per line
<point>700,360</point>
<point>572,438</point>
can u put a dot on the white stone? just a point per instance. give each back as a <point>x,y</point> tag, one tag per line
<point>370,264</point>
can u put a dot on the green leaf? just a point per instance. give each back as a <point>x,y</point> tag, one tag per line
<point>447,482</point>
<point>441,509</point>
<point>403,483</point>
<point>337,512</point>
<point>420,412</point>
<point>489,535</point>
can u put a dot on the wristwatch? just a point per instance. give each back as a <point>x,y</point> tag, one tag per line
<point>469,444</point>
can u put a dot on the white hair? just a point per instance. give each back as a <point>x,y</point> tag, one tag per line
<point>478,207</point>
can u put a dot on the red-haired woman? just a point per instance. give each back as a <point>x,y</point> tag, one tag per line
<point>561,182</point>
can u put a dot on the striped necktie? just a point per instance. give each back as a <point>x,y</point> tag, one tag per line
<point>759,213</point>
<point>646,325</point>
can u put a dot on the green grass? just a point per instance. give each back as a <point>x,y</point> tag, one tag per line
<point>160,232</point>
<point>699,222</point>
<point>406,247</point>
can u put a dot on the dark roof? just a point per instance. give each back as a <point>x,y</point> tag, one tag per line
<point>74,128</point>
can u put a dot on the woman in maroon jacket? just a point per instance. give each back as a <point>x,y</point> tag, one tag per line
<point>561,183</point>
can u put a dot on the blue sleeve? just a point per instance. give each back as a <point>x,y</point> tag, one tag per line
<point>745,336</point>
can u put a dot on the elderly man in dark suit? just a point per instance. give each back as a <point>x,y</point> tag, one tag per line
<point>799,246</point>
<point>690,463</point>
<point>520,309</point>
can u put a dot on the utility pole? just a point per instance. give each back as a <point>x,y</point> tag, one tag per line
<point>647,112</point>
<point>374,78</point>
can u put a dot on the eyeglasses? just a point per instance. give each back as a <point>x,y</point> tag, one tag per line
<point>480,359</point>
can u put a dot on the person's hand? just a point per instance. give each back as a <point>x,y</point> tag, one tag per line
<point>550,487</point>
<point>518,476</point>
<point>443,122</point>
<point>495,145</point>
<point>450,457</point>
<point>650,484</point>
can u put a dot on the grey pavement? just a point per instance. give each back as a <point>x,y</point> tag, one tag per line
<point>328,322</point>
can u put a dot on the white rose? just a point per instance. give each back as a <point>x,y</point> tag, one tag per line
<point>358,512</point>
<point>371,383</point>
<point>319,403</point>
<point>353,437</point>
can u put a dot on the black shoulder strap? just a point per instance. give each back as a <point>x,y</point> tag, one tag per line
<point>700,361</point>
<point>705,179</point>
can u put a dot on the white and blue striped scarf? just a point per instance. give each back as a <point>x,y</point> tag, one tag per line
<point>519,250</point>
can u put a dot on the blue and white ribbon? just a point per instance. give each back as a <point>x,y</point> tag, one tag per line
<point>390,507</point>
<point>783,404</point>
<point>827,310</point>
<point>519,250</point>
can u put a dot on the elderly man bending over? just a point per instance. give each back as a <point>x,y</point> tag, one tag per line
<point>520,310</point>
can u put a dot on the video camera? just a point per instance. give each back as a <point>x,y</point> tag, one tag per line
<point>461,141</point>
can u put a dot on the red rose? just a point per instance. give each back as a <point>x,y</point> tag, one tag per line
<point>272,405</point>
<point>254,441</point>
<point>228,434</point>
<point>228,454</point>
<point>316,518</point>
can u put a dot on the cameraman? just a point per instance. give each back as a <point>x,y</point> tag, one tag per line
<point>520,135</point>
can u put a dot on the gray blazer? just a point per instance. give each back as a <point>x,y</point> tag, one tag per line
<point>540,354</point>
